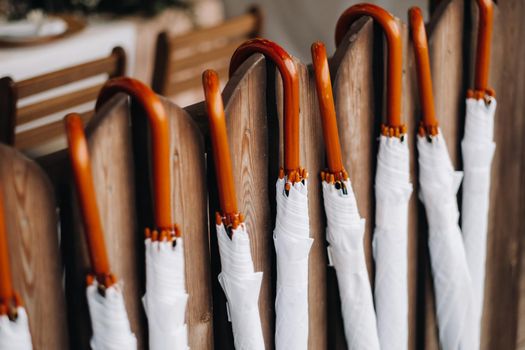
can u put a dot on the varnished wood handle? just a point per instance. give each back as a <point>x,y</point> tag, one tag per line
<point>486,10</point>
<point>6,285</point>
<point>290,77</point>
<point>424,75</point>
<point>395,52</point>
<point>325,96</point>
<point>160,139</point>
<point>81,166</point>
<point>219,139</point>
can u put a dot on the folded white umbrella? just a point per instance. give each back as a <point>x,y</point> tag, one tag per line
<point>478,150</point>
<point>345,231</point>
<point>14,334</point>
<point>452,282</point>
<point>392,192</point>
<point>109,319</point>
<point>242,285</point>
<point>292,245</point>
<point>166,297</point>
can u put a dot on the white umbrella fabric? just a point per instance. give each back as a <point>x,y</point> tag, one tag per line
<point>392,192</point>
<point>478,150</point>
<point>345,232</point>
<point>345,227</point>
<point>452,282</point>
<point>439,184</point>
<point>14,334</point>
<point>292,245</point>
<point>166,297</point>
<point>238,279</point>
<point>109,319</point>
<point>241,285</point>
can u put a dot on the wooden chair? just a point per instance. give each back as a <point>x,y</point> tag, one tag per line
<point>48,132</point>
<point>181,59</point>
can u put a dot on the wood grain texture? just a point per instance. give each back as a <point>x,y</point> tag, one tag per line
<point>445,35</point>
<point>110,145</point>
<point>313,160</point>
<point>248,123</point>
<point>34,252</point>
<point>358,106</point>
<point>189,193</point>
<point>506,225</point>
<point>351,69</point>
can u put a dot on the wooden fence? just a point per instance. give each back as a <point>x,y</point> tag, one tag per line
<point>119,149</point>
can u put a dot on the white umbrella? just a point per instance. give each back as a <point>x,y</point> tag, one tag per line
<point>292,231</point>
<point>14,333</point>
<point>392,190</point>
<point>345,227</point>
<point>478,149</point>
<point>292,245</point>
<point>109,319</point>
<point>166,297</point>
<point>242,285</point>
<point>439,184</point>
<point>240,282</point>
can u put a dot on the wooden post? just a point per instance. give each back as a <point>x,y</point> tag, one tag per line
<point>34,252</point>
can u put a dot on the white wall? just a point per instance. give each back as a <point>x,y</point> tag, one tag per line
<point>296,24</point>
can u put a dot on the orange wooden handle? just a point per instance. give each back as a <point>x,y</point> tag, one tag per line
<point>81,166</point>
<point>395,52</point>
<point>419,39</point>
<point>325,96</point>
<point>6,286</point>
<point>486,10</point>
<point>219,139</point>
<point>290,76</point>
<point>160,139</point>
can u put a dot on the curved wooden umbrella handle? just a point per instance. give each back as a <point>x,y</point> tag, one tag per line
<point>486,10</point>
<point>395,52</point>
<point>81,166</point>
<point>160,138</point>
<point>220,147</point>
<point>325,96</point>
<point>6,286</point>
<point>290,76</point>
<point>429,123</point>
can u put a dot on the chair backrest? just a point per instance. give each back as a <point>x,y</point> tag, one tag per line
<point>39,128</point>
<point>181,59</point>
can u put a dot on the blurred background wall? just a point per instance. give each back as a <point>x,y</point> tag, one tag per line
<point>295,24</point>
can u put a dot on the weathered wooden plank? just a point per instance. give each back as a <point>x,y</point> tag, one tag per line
<point>506,225</point>
<point>190,206</point>
<point>34,252</point>
<point>352,72</point>
<point>248,123</point>
<point>445,35</point>
<point>313,159</point>
<point>109,140</point>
